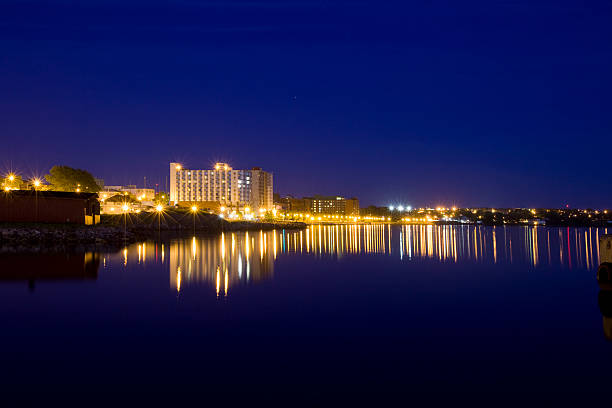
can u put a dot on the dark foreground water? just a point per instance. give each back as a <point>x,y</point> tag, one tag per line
<point>343,313</point>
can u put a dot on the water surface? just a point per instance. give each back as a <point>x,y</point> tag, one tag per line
<point>487,314</point>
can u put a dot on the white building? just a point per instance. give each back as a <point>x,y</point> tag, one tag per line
<point>222,185</point>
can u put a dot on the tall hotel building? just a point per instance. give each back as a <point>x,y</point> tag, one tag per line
<point>222,186</point>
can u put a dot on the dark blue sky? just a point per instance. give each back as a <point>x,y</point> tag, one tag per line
<point>501,103</point>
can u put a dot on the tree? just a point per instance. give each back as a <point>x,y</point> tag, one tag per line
<point>122,198</point>
<point>64,178</point>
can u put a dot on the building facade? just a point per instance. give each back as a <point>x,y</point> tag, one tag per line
<point>143,194</point>
<point>57,207</point>
<point>334,205</point>
<point>222,185</point>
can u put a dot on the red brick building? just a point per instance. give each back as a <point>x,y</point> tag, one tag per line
<point>49,206</point>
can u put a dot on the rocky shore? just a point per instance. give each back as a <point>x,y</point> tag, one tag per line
<point>113,233</point>
<point>62,235</point>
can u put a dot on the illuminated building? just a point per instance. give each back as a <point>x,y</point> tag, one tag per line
<point>143,194</point>
<point>334,205</point>
<point>221,186</point>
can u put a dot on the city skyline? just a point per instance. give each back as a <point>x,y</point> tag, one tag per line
<point>477,104</point>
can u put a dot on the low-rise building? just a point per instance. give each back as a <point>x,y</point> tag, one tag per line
<point>328,205</point>
<point>49,206</point>
<point>142,194</point>
<point>333,205</point>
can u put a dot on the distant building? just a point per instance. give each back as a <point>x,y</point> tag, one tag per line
<point>291,204</point>
<point>221,186</point>
<point>333,205</point>
<point>142,194</point>
<point>49,206</point>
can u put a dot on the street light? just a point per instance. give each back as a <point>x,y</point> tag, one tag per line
<point>159,208</point>
<point>36,185</point>
<point>125,209</point>
<point>194,211</point>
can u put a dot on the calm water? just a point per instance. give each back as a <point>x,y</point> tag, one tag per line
<point>494,315</point>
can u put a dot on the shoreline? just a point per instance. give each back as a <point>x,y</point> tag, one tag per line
<point>109,236</point>
<point>24,236</point>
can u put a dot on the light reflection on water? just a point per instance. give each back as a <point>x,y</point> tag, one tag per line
<point>244,257</point>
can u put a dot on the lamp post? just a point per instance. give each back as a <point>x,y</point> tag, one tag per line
<point>36,185</point>
<point>194,211</point>
<point>159,210</point>
<point>125,209</point>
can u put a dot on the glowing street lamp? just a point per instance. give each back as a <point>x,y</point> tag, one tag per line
<point>159,208</point>
<point>36,185</point>
<point>194,211</point>
<point>400,208</point>
<point>391,208</point>
<point>125,207</point>
<point>11,177</point>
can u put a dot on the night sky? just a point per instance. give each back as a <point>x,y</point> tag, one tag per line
<point>468,103</point>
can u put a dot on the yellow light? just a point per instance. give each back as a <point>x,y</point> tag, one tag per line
<point>11,177</point>
<point>178,166</point>
<point>261,210</point>
<point>159,208</point>
<point>78,190</point>
<point>247,209</point>
<point>125,207</point>
<point>194,208</point>
<point>7,188</point>
<point>222,209</point>
<point>37,183</point>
